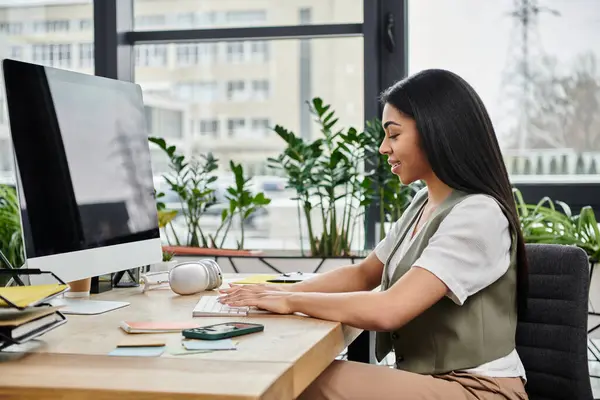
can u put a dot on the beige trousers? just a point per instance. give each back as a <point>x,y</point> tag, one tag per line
<point>350,380</point>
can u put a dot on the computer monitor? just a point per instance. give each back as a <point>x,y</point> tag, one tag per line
<point>84,176</point>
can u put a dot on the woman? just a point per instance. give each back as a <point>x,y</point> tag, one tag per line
<point>452,269</point>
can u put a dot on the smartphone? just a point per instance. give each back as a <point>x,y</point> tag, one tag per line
<point>222,331</point>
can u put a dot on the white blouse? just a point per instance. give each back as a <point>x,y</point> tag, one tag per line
<point>469,251</point>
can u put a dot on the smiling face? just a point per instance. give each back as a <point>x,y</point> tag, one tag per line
<point>402,146</point>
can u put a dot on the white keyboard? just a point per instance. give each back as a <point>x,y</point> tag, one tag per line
<point>208,306</point>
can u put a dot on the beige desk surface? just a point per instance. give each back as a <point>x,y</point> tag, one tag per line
<point>278,363</point>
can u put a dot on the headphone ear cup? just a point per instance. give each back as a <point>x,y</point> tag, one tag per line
<point>188,278</point>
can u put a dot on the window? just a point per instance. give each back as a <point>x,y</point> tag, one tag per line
<point>261,126</point>
<point>197,91</point>
<point>164,122</point>
<point>259,51</point>
<point>236,90</point>
<point>244,13</point>
<point>209,127</point>
<point>206,19</point>
<point>151,55</point>
<point>541,113</point>
<point>150,21</point>
<point>233,107</point>
<point>247,52</point>
<point>86,55</point>
<point>235,52</point>
<point>86,24</point>
<point>11,28</point>
<point>245,18</point>
<point>196,53</point>
<point>186,20</point>
<point>53,55</point>
<point>260,90</point>
<point>16,52</point>
<point>39,31</point>
<point>50,26</point>
<point>236,126</point>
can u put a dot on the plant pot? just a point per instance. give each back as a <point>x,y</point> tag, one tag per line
<point>203,251</point>
<point>80,288</point>
<point>163,266</point>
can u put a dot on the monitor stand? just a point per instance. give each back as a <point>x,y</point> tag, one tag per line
<point>84,306</point>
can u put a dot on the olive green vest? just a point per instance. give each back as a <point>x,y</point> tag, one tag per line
<point>448,337</point>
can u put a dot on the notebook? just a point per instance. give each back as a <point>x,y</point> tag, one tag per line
<point>17,324</point>
<point>156,327</point>
<point>30,296</point>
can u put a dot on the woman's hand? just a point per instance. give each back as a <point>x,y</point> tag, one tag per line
<point>255,287</point>
<point>274,301</point>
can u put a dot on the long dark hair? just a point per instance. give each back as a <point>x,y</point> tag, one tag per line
<point>460,144</point>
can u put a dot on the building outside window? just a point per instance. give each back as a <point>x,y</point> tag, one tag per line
<point>259,51</point>
<point>151,55</point>
<point>260,126</point>
<point>245,17</point>
<point>195,53</point>
<point>209,127</point>
<point>260,90</point>
<point>50,26</point>
<point>53,55</point>
<point>236,127</point>
<point>236,91</point>
<point>86,55</point>
<point>235,52</point>
<point>197,91</point>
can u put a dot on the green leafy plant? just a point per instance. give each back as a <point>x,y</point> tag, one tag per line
<point>551,221</point>
<point>324,173</point>
<point>242,202</point>
<point>191,181</point>
<point>11,240</point>
<point>388,193</point>
<point>167,256</point>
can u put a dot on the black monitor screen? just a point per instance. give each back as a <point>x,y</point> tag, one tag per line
<point>83,161</point>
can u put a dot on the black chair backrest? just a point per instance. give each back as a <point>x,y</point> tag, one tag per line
<point>552,333</point>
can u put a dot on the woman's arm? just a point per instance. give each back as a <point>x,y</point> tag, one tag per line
<point>366,275</point>
<point>411,295</point>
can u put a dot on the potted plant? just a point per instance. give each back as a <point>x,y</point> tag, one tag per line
<point>328,173</point>
<point>192,180</point>
<point>551,221</point>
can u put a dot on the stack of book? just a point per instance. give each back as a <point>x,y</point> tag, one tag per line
<point>25,313</point>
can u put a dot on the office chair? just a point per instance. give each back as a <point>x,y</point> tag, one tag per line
<point>552,334</point>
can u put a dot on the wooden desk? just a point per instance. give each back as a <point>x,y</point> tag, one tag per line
<point>278,363</point>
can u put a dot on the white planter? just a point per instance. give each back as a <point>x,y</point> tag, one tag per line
<point>163,266</point>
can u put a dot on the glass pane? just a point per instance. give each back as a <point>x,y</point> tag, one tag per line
<point>56,35</point>
<point>229,98</point>
<point>537,70</point>
<point>193,14</point>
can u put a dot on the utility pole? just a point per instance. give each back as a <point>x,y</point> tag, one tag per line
<point>526,51</point>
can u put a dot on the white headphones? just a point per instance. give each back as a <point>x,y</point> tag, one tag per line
<point>191,277</point>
